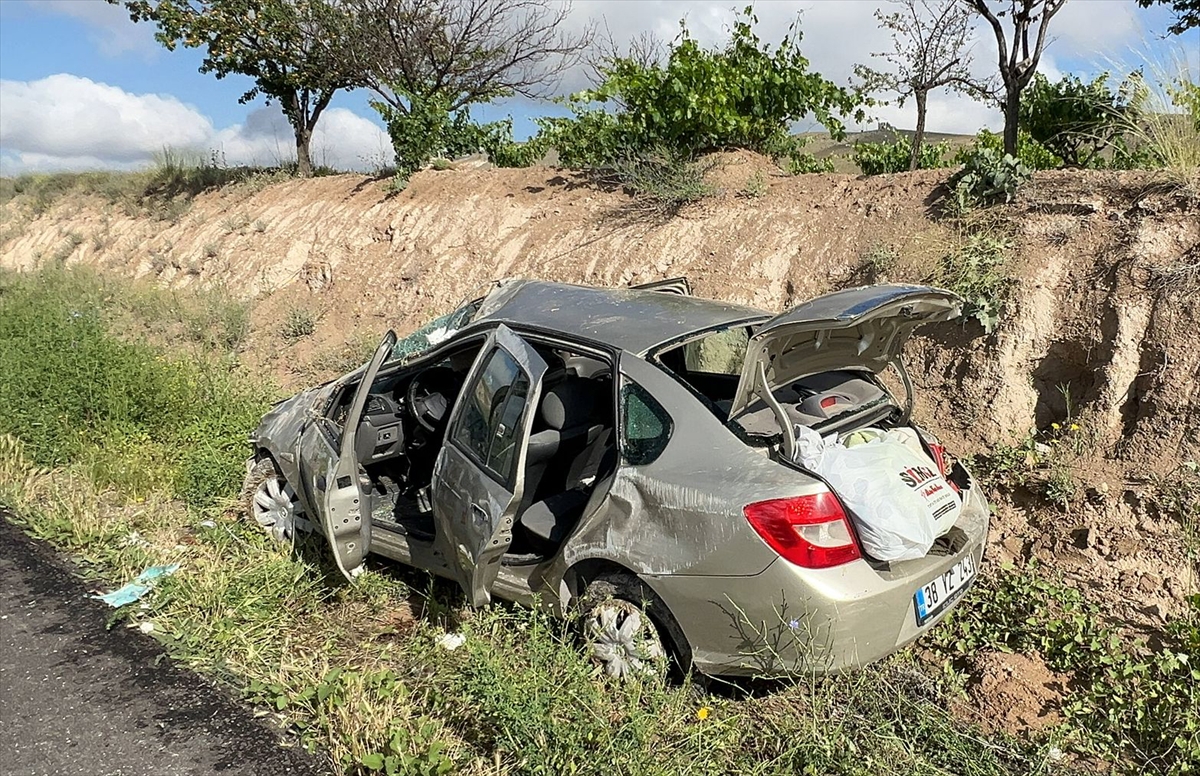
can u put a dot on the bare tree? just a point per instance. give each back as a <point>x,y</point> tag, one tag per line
<point>930,50</point>
<point>1018,60</point>
<point>465,51</point>
<point>646,50</point>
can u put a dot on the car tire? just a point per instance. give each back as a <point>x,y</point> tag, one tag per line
<point>628,630</point>
<point>269,501</point>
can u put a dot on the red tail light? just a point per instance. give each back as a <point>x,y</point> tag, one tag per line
<point>810,531</point>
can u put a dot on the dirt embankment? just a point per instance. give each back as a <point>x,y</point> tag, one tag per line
<point>1101,329</point>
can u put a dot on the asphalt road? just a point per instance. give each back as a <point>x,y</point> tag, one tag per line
<point>76,698</point>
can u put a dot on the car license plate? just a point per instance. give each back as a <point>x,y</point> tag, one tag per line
<point>936,594</point>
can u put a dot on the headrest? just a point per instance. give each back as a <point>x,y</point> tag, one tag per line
<point>573,402</point>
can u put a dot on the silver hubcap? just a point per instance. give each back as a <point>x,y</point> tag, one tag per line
<point>624,640</point>
<point>274,508</point>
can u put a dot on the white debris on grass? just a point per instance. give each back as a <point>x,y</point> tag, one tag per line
<point>450,641</point>
<point>134,539</point>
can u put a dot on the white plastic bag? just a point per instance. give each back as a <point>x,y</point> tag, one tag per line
<point>898,500</point>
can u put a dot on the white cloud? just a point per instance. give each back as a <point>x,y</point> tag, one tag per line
<point>67,122</point>
<point>113,32</point>
<point>69,117</point>
<point>947,112</point>
<point>1096,27</point>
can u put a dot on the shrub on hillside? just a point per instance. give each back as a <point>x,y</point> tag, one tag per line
<point>1079,122</point>
<point>1167,132</point>
<point>977,272</point>
<point>429,130</point>
<point>743,95</point>
<point>987,178</point>
<point>662,182</point>
<point>883,158</point>
<point>1030,153</point>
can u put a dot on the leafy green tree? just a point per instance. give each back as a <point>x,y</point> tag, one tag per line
<point>1187,13</point>
<point>744,94</point>
<point>290,48</point>
<point>1017,60</point>
<point>1076,120</point>
<point>930,50</point>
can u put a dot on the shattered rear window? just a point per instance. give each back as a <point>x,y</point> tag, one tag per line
<point>645,425</point>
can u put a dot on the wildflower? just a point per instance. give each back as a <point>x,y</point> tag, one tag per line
<point>702,713</point>
<point>794,624</point>
<point>1055,426</point>
<point>1074,426</point>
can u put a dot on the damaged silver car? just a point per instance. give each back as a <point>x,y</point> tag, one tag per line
<point>635,455</point>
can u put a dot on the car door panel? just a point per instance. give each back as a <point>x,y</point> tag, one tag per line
<point>478,478</point>
<point>331,473</point>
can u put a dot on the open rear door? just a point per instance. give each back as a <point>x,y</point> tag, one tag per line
<point>478,480</point>
<point>333,467</point>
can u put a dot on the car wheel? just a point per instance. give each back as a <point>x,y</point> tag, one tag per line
<point>619,628</point>
<point>270,501</point>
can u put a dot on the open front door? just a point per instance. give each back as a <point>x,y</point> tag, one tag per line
<point>478,481</point>
<point>333,473</point>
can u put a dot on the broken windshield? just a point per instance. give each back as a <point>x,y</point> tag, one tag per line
<point>433,333</point>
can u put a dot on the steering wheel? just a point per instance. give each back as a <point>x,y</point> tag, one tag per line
<point>427,402</point>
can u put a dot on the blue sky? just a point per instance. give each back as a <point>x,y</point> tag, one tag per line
<point>82,86</point>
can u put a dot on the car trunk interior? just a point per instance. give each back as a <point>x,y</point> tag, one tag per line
<point>838,401</point>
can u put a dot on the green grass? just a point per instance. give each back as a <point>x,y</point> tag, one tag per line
<point>125,453</point>
<point>73,392</point>
<point>164,190</point>
<point>297,324</point>
<point>1128,698</point>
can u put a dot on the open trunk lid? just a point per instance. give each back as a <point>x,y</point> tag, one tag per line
<point>859,328</point>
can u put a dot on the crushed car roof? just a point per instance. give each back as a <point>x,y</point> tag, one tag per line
<point>630,319</point>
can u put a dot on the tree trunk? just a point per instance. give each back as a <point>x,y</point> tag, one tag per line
<point>914,160</point>
<point>1012,109</point>
<point>304,167</point>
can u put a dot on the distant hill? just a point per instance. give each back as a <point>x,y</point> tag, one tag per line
<point>820,145</point>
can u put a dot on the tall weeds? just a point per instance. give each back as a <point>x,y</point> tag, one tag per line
<point>1167,124</point>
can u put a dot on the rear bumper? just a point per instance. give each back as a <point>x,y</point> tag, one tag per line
<point>788,620</point>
